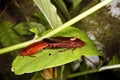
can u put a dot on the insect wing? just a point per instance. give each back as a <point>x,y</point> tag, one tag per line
<point>33,48</point>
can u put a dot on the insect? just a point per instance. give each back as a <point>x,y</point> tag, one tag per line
<point>33,48</point>
<point>66,42</point>
<point>56,42</point>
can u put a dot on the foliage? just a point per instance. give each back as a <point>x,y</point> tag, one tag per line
<point>56,58</point>
<point>50,24</point>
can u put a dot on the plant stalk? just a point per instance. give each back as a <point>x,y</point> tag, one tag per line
<point>58,29</point>
<point>94,70</point>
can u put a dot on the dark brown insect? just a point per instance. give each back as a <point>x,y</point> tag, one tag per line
<point>56,42</point>
<point>65,42</point>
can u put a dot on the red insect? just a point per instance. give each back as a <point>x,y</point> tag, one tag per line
<point>65,42</point>
<point>56,42</point>
<point>33,48</point>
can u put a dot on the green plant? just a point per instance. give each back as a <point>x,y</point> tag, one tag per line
<point>56,27</point>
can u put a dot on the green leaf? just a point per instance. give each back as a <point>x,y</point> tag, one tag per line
<point>24,28</point>
<point>55,57</point>
<point>34,30</point>
<point>76,3</point>
<point>49,11</point>
<point>39,27</point>
<point>41,18</point>
<point>115,60</point>
<point>63,8</point>
<point>7,35</point>
<point>37,76</point>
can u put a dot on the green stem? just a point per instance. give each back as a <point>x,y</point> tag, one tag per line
<point>61,73</point>
<point>94,70</point>
<point>58,29</point>
<point>78,18</point>
<point>81,73</point>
